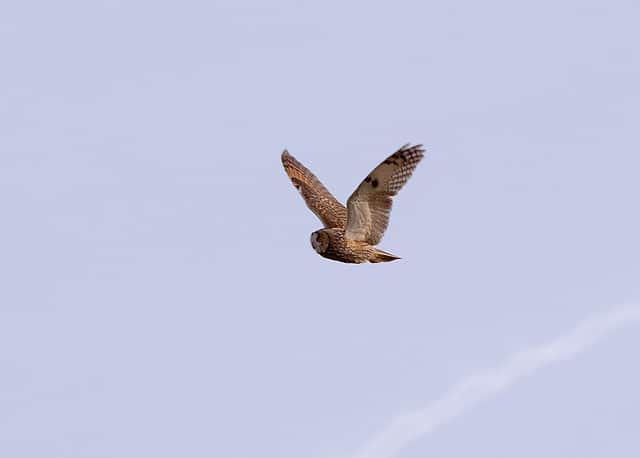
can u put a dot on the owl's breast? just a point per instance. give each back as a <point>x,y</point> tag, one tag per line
<point>344,250</point>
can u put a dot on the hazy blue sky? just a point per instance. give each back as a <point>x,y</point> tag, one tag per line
<point>160,297</point>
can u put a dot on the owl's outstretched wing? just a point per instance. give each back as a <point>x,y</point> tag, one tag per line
<point>320,201</point>
<point>369,206</point>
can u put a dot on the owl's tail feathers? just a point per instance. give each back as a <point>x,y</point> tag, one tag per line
<point>382,256</point>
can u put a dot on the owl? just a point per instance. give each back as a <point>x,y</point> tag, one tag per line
<point>350,234</point>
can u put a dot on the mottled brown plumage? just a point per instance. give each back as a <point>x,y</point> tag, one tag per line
<point>320,201</point>
<point>350,233</point>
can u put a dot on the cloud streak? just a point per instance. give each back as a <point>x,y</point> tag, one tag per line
<point>407,427</point>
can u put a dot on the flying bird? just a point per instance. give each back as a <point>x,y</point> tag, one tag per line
<point>350,234</point>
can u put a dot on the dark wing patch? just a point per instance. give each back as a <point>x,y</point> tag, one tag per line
<point>369,206</point>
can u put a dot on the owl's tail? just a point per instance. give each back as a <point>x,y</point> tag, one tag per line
<point>382,256</point>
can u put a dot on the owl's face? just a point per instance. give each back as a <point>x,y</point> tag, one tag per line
<point>320,241</point>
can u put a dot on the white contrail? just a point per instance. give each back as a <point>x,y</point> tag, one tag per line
<point>408,427</point>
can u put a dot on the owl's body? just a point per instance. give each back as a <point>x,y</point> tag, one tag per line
<point>333,244</point>
<point>350,232</point>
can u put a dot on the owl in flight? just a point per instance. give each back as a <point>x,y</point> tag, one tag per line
<point>350,233</point>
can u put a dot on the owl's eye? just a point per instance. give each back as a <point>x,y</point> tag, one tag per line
<point>316,242</point>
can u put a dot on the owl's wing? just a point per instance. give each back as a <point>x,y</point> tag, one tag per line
<point>369,206</point>
<point>320,201</point>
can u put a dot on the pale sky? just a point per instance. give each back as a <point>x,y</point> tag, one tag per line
<point>161,297</point>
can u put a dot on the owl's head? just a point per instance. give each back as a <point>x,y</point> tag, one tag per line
<point>320,241</point>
